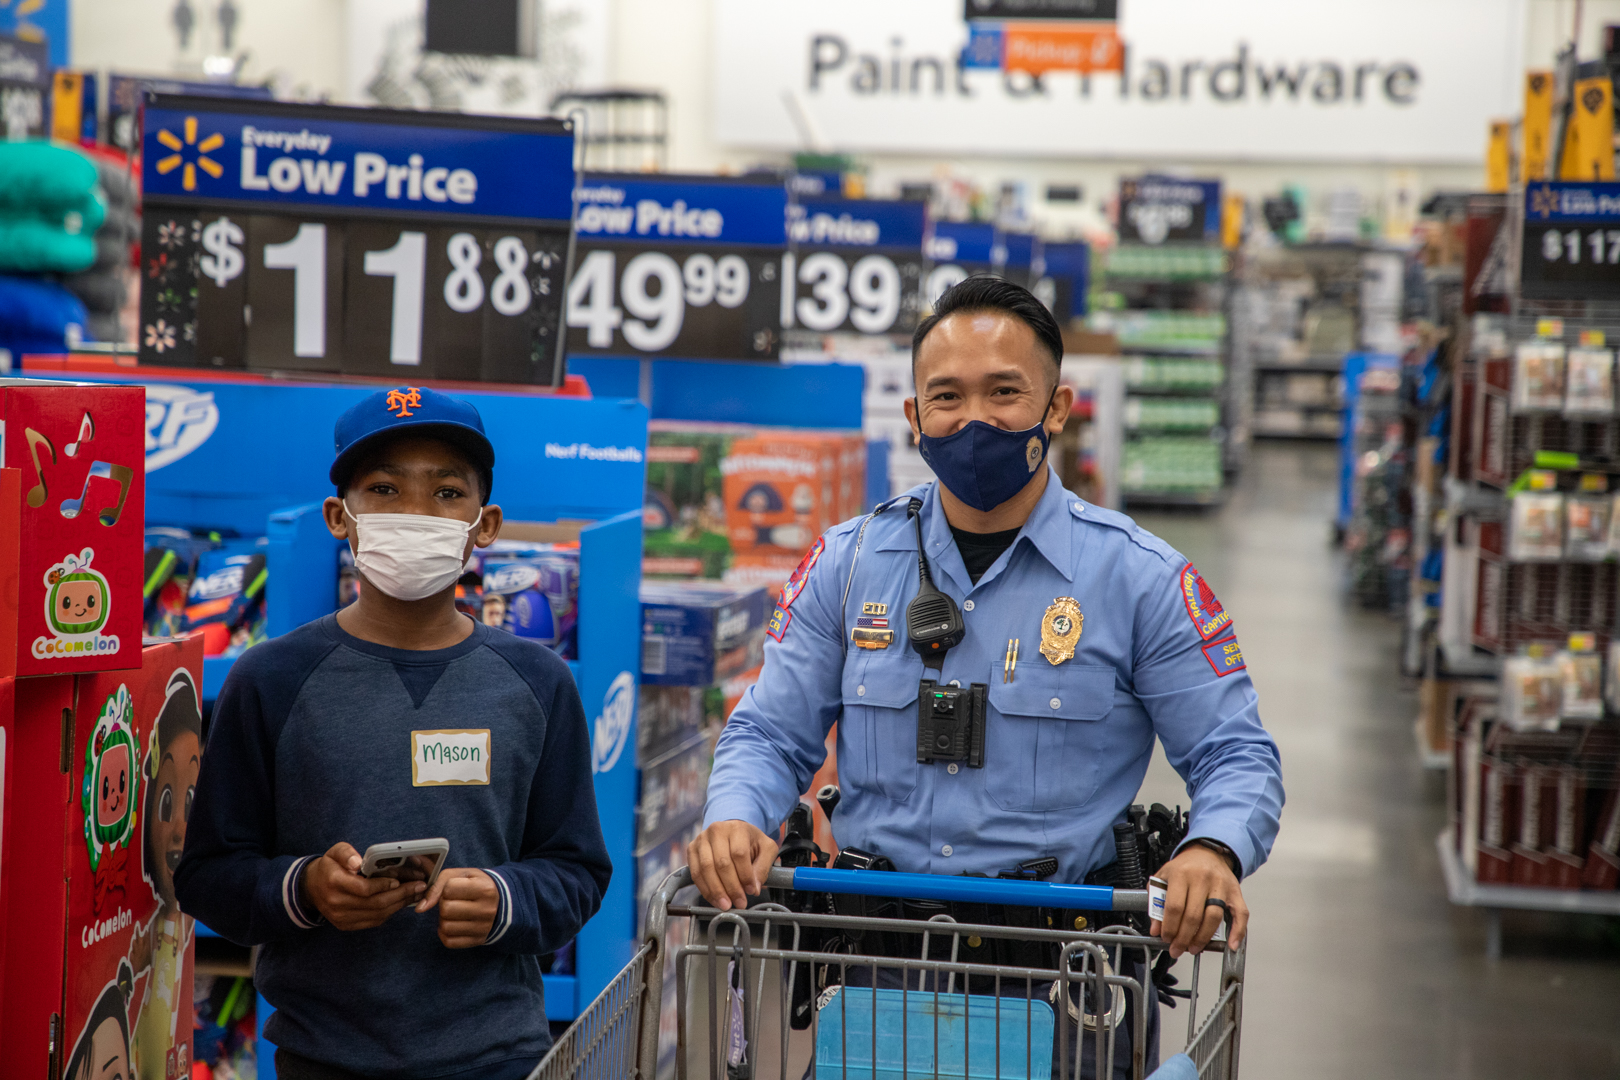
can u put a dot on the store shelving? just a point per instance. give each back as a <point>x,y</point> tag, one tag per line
<point>1494,899</point>
<point>1171,325</point>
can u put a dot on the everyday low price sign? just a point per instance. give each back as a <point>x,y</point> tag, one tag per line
<point>1571,248</point>
<point>361,241</point>
<point>856,265</point>
<point>679,266</point>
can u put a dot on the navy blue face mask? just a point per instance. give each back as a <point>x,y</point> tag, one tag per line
<point>984,465</point>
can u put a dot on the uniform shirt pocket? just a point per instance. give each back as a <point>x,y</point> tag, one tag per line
<point>1044,740</point>
<point>877,750</point>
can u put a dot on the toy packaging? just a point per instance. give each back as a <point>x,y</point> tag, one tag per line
<point>78,451</point>
<point>137,750</point>
<point>700,633</point>
<point>1532,693</point>
<point>226,600</point>
<point>1589,383</point>
<point>532,590</point>
<point>1537,532</point>
<point>1580,673</point>
<point>743,504</point>
<point>1538,376</point>
<point>1586,527</point>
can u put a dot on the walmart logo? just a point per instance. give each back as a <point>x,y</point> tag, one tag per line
<point>190,148</point>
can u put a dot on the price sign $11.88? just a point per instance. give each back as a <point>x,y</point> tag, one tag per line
<point>371,297</point>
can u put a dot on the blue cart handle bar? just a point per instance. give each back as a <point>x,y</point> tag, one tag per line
<point>977,890</point>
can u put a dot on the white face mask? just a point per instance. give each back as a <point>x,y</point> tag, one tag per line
<point>410,556</point>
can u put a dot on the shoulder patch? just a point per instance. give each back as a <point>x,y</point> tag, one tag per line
<point>780,619</point>
<point>796,583</point>
<point>1208,617</point>
<point>1224,656</point>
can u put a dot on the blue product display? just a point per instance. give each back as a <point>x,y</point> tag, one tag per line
<point>696,633</point>
<point>532,590</point>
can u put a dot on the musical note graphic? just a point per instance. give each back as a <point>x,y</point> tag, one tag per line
<point>87,431</point>
<point>124,475</point>
<point>36,494</point>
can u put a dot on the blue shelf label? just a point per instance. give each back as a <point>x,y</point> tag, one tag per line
<point>1572,201</point>
<point>322,156</point>
<point>859,223</point>
<point>688,210</point>
<point>962,242</point>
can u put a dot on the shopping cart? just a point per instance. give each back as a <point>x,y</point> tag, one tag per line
<point>924,1009</point>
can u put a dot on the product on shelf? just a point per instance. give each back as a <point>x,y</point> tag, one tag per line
<point>1580,672</point>
<point>742,503</point>
<point>1586,527</point>
<point>1171,464</point>
<point>1532,692</point>
<point>532,590</point>
<point>700,633</point>
<point>170,568</point>
<point>1538,376</point>
<point>1589,383</point>
<point>226,599</point>
<point>1537,530</point>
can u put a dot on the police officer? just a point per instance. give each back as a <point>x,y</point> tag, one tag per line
<point>1091,636</point>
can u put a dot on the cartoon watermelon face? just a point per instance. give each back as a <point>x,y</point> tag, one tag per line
<point>78,603</point>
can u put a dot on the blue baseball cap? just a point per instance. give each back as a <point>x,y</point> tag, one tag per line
<point>411,410</point>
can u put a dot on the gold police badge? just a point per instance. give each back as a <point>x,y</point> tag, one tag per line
<point>1060,630</point>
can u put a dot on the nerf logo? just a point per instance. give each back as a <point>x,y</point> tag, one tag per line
<point>401,402</point>
<point>513,578</point>
<point>178,420</point>
<point>221,583</point>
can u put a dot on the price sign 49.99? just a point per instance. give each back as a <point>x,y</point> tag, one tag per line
<point>709,303</point>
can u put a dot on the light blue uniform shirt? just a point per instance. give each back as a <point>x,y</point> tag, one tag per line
<point>1066,745</point>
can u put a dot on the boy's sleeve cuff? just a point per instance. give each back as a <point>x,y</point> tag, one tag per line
<point>301,915</point>
<point>503,909</point>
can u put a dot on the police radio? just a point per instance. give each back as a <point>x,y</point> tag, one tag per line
<point>950,719</point>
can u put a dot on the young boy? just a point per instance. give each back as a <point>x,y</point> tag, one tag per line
<point>399,718</point>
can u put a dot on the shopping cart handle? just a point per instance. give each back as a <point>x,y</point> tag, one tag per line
<point>978,890</point>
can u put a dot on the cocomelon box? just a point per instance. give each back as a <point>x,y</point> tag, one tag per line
<point>130,957</point>
<point>98,957</point>
<point>80,449</point>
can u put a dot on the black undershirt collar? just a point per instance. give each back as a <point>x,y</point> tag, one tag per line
<point>981,550</point>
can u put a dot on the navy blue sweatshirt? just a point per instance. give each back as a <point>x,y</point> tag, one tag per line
<point>317,737</point>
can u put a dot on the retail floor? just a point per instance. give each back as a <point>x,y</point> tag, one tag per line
<point>1358,966</point>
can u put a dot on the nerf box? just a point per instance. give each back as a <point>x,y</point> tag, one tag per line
<point>532,590</point>
<point>697,633</point>
<point>79,453</point>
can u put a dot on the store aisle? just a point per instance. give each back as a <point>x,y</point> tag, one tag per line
<point>1358,966</point>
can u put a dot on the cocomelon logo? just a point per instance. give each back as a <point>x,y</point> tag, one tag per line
<point>77,602</point>
<point>112,777</point>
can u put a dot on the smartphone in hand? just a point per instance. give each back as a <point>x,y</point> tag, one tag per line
<point>407,860</point>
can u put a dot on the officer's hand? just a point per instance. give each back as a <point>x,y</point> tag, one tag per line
<point>334,886</point>
<point>1196,875</point>
<point>730,859</point>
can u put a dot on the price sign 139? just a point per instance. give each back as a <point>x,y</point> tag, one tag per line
<point>357,296</point>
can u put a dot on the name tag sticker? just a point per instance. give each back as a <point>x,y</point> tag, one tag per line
<point>458,756</point>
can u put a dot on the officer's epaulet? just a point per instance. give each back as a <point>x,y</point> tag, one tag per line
<point>1113,519</point>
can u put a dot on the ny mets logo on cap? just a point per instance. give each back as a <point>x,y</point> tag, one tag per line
<point>1208,616</point>
<point>401,402</point>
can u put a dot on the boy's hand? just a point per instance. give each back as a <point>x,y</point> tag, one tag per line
<point>350,902</point>
<point>468,902</point>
